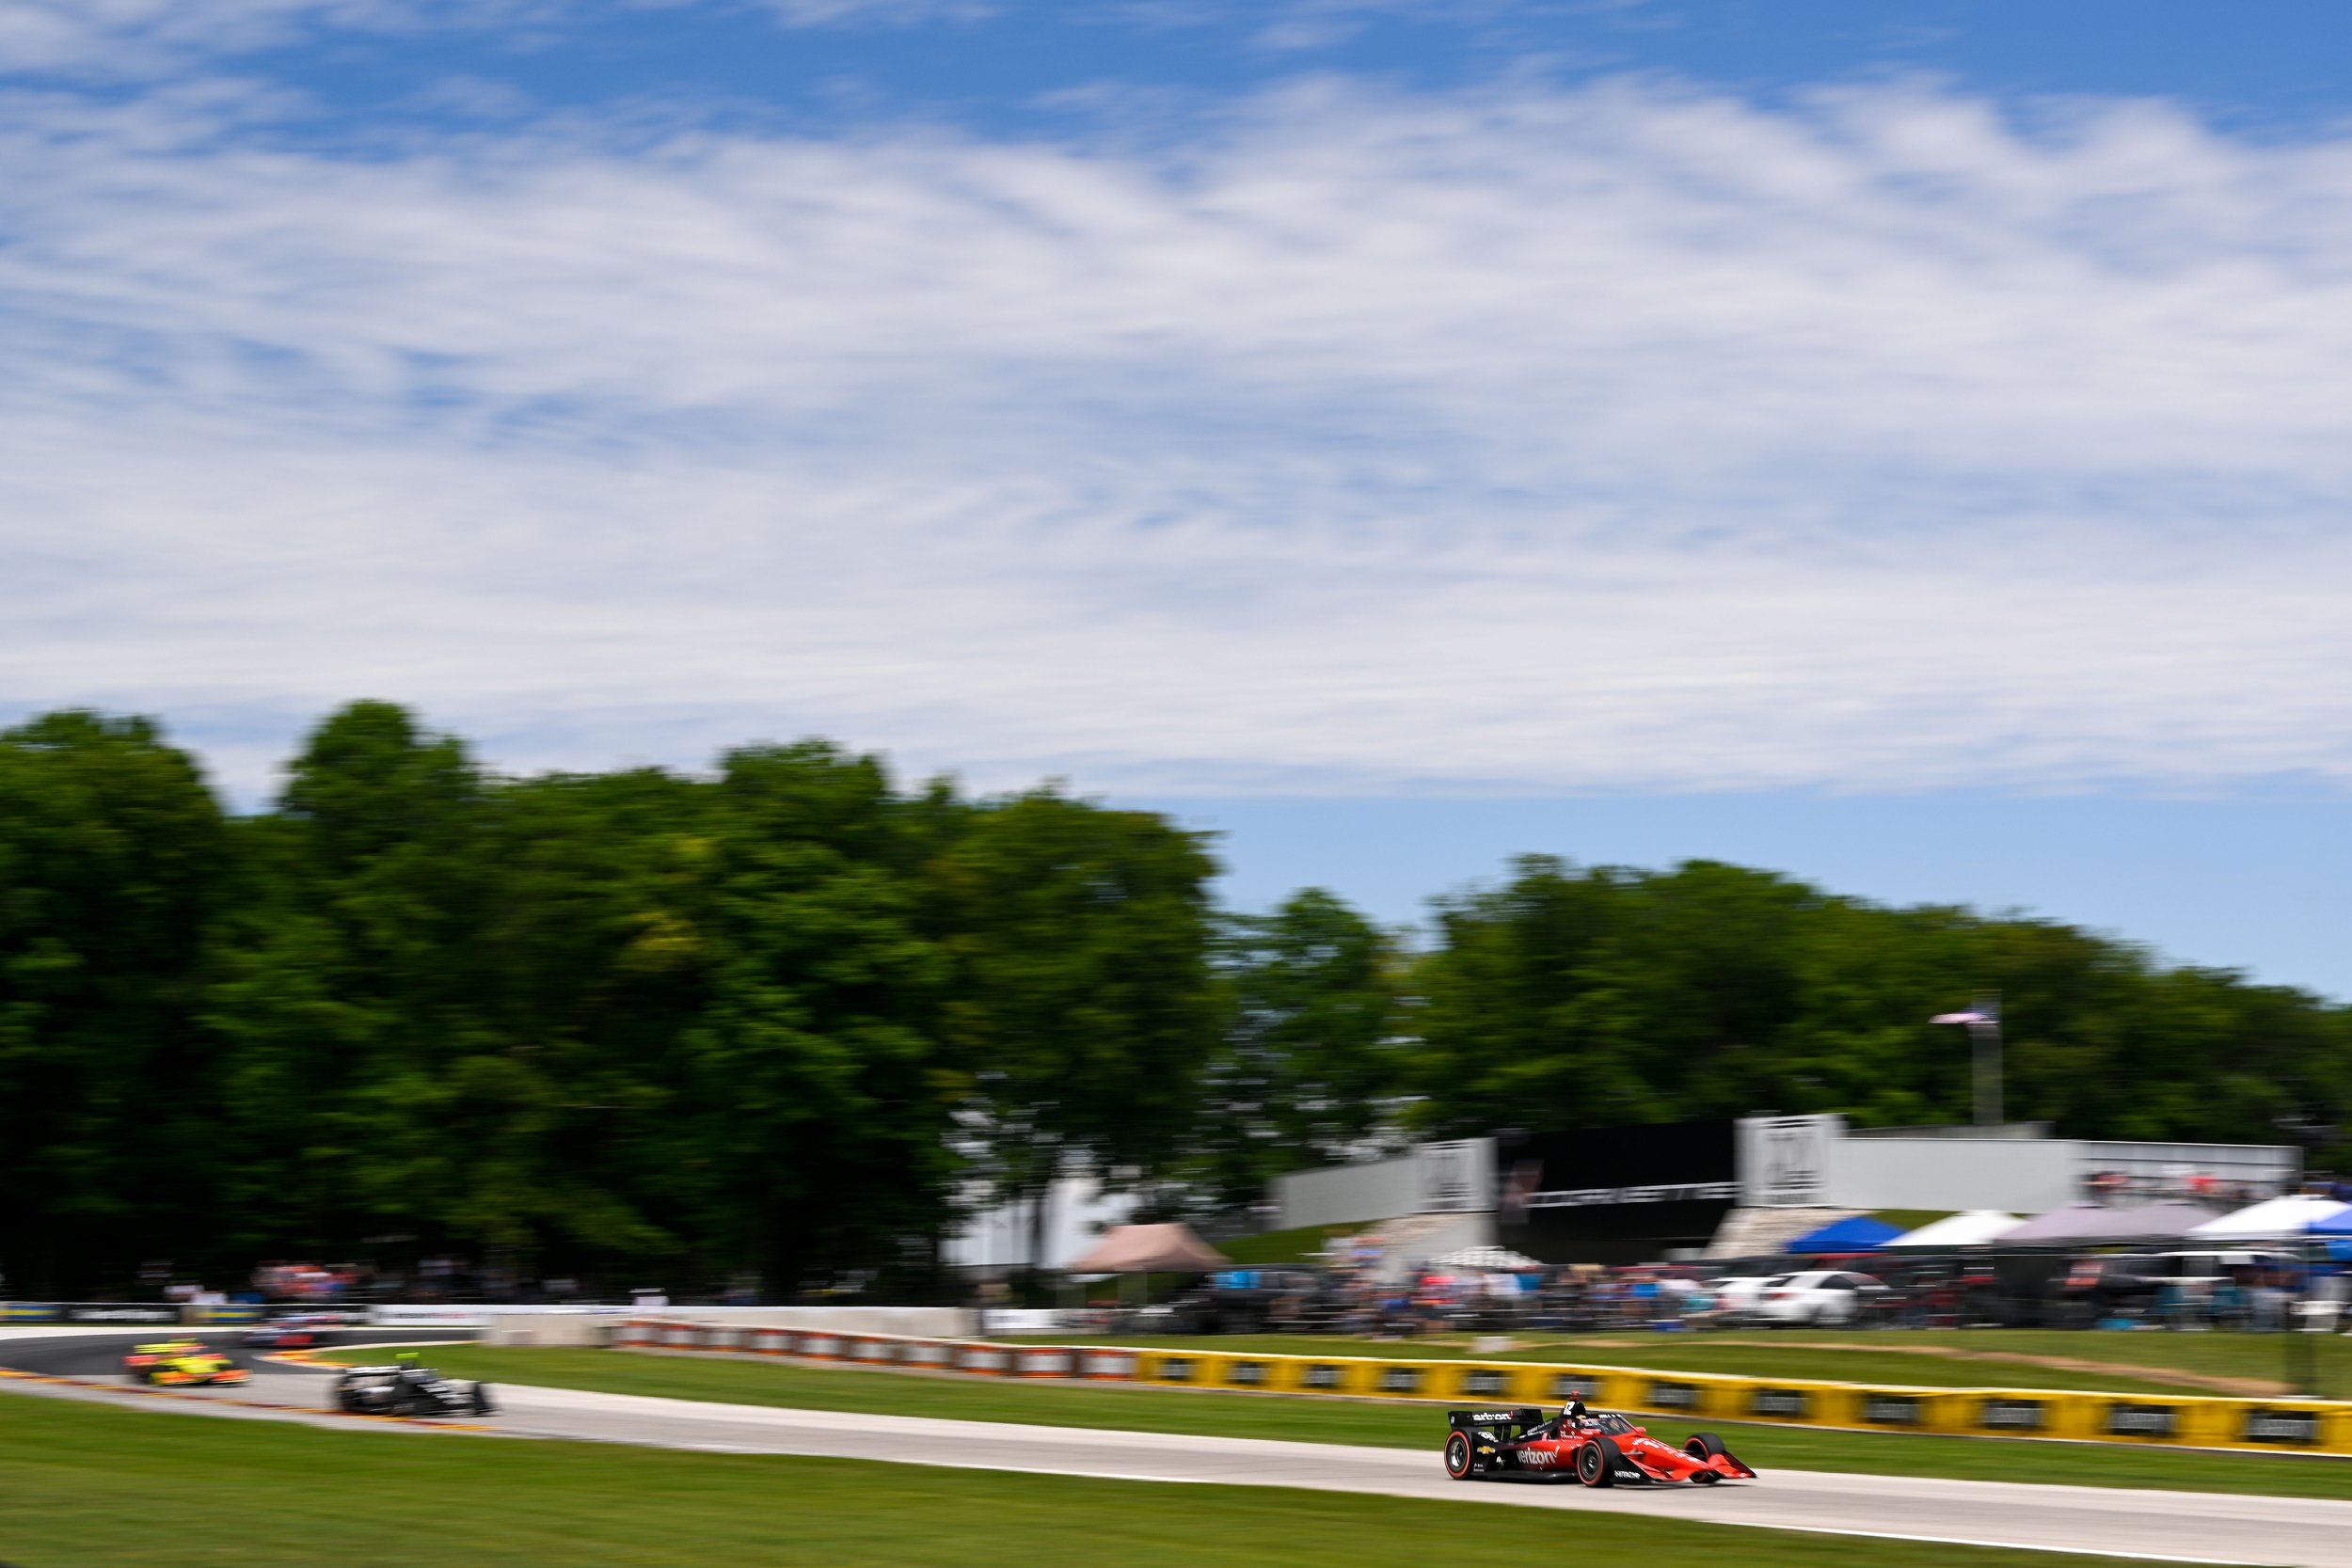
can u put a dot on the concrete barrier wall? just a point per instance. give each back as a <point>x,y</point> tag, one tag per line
<point>2292,1426</point>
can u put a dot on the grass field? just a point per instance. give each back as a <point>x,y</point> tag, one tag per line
<point>2136,1363</point>
<point>1363,1421</point>
<point>83,1486</point>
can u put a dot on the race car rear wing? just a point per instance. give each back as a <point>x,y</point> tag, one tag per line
<point>1501,1422</point>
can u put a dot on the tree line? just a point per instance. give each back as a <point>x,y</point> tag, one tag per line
<point>788,1020</point>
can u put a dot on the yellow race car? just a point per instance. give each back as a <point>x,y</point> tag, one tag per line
<point>182,1364</point>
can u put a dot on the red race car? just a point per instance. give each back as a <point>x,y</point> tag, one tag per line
<point>1598,1448</point>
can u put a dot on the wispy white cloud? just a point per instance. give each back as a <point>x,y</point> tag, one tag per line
<point>1623,437</point>
<point>143,38</point>
<point>133,38</point>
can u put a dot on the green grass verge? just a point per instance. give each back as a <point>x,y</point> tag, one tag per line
<point>83,1486</point>
<point>2137,1363</point>
<point>1365,1421</point>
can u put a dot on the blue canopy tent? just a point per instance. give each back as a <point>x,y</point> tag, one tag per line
<point>2336,1232</point>
<point>1860,1233</point>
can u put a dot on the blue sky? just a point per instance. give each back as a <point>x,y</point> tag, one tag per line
<point>1905,445</point>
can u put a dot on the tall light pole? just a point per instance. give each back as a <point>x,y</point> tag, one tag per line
<point>1984,1034</point>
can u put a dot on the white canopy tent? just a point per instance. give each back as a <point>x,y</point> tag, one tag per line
<point>2292,1215</point>
<point>1974,1228</point>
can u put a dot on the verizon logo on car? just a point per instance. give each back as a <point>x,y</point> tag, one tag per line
<point>1536,1459</point>
<point>2281,1426</point>
<point>2012,1415</point>
<point>1793,1402</point>
<point>2141,1421</point>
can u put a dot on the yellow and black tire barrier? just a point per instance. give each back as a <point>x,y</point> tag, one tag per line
<point>2281,1425</point>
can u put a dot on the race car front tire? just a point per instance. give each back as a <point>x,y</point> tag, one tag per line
<point>1596,1462</point>
<point>482,1405</point>
<point>1457,1457</point>
<point>1704,1444</point>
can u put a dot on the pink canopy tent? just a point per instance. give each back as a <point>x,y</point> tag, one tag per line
<point>1150,1249</point>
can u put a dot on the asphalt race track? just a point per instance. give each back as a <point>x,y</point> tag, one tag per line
<point>2166,1526</point>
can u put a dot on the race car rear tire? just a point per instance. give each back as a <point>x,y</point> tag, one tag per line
<point>1457,1457</point>
<point>1596,1462</point>
<point>1705,1445</point>
<point>482,1405</point>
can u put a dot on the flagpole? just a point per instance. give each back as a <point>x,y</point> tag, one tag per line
<point>1985,1035</point>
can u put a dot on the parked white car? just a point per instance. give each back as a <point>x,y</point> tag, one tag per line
<point>1816,1296</point>
<point>1737,1294</point>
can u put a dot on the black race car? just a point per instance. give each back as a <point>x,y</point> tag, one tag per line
<point>1599,1448</point>
<point>405,1389</point>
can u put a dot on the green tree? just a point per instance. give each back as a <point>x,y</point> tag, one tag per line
<point>111,858</point>
<point>351,993</point>
<point>1306,1063</point>
<point>1083,946</point>
<point>817,1099</point>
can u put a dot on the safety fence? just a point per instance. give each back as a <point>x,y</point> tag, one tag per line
<point>2306,1426</point>
<point>128,1314</point>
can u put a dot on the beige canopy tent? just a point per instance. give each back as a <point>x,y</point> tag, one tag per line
<point>1150,1249</point>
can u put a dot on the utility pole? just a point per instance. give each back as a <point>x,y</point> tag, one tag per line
<point>1983,1019</point>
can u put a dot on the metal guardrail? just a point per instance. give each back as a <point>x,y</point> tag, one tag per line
<point>2300,1426</point>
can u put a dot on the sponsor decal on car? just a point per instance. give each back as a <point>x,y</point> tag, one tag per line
<point>2141,1421</point>
<point>1482,1416</point>
<point>1791,1403</point>
<point>2263,1425</point>
<point>1537,1459</point>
